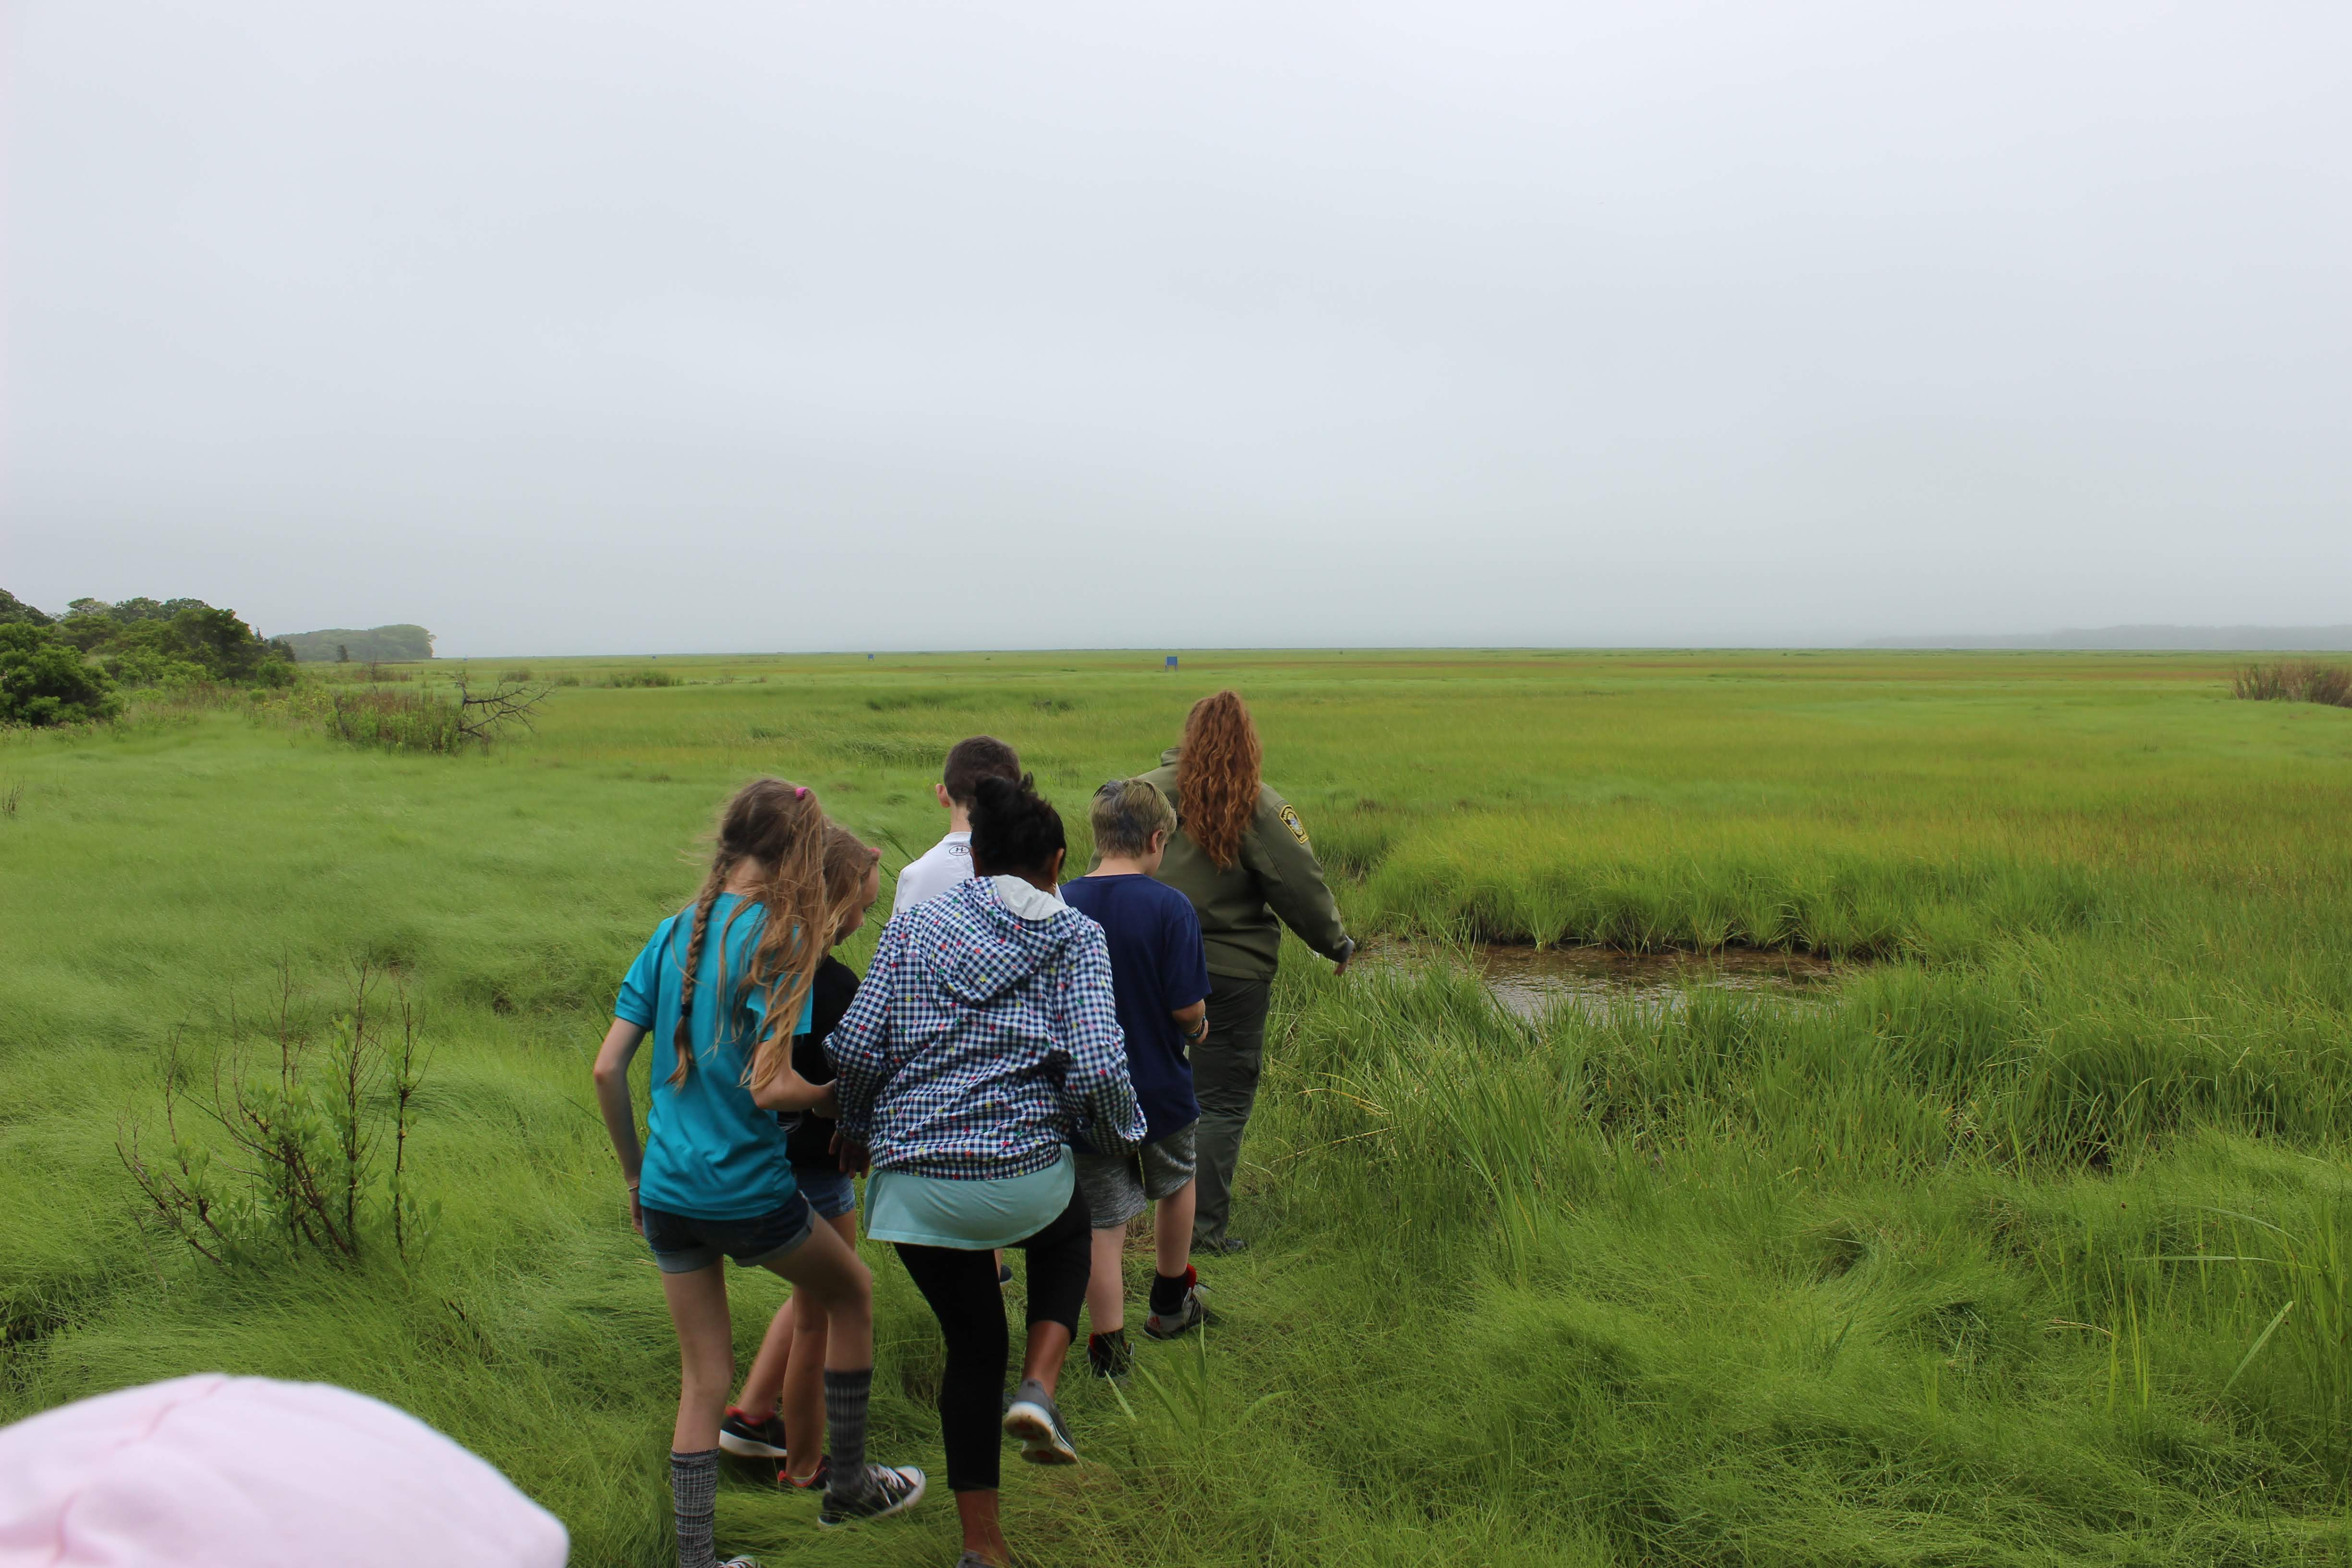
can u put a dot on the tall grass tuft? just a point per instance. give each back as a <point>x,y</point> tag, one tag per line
<point>2300,680</point>
<point>398,721</point>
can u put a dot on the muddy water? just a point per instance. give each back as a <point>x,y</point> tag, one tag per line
<point>1529,980</point>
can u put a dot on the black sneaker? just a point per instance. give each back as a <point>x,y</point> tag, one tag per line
<point>749,1439</point>
<point>889,1489</point>
<point>1004,1275</point>
<point>1223,1246</point>
<point>1109,1355</point>
<point>1033,1419</point>
<point>815,1483</point>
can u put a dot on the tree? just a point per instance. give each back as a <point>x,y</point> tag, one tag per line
<point>375,645</point>
<point>342,653</point>
<point>174,642</point>
<point>14,609</point>
<point>44,680</point>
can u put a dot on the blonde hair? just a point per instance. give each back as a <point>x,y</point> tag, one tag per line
<point>1127,813</point>
<point>781,827</point>
<point>847,860</point>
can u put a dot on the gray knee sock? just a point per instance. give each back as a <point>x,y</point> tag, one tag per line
<point>845,1397</point>
<point>694,1497</point>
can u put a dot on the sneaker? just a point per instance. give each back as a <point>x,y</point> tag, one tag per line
<point>741,1563</point>
<point>1109,1355</point>
<point>748,1439</point>
<point>1033,1419</point>
<point>1189,1316</point>
<point>815,1483</point>
<point>1004,1275</point>
<point>889,1489</point>
<point>1223,1246</point>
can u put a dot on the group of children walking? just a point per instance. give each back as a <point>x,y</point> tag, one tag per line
<point>1012,1072</point>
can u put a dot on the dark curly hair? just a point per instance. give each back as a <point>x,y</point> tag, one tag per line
<point>1217,775</point>
<point>1014,830</point>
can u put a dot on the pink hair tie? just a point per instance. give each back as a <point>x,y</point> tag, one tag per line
<point>800,792</point>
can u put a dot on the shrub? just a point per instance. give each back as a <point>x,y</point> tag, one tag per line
<point>643,678</point>
<point>317,1140</point>
<point>2300,680</point>
<point>44,681</point>
<point>403,720</point>
<point>415,722</point>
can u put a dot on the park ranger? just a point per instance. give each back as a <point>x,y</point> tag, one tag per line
<point>1241,854</point>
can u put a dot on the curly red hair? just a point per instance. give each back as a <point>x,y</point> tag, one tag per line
<point>1217,768</point>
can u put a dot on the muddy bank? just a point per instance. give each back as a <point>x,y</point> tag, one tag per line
<point>1527,981</point>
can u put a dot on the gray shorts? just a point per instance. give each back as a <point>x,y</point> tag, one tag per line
<point>1116,1187</point>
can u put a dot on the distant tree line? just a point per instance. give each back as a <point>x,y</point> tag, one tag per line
<point>377,645</point>
<point>67,669</point>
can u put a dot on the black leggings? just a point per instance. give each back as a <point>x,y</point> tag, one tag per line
<point>961,1288</point>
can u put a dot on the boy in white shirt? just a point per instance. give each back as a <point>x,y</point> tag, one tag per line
<point>948,861</point>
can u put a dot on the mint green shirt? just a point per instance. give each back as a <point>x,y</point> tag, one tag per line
<point>971,1216</point>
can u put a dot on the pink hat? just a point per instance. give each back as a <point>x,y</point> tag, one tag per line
<point>215,1471</point>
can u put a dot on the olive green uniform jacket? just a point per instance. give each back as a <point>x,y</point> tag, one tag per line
<point>1275,875</point>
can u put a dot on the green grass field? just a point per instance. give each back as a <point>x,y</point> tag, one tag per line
<point>2028,1242</point>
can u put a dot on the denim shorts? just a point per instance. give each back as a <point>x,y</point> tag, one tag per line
<point>830,1190</point>
<point>683,1243</point>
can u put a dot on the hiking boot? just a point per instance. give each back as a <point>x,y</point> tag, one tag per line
<point>746,1438</point>
<point>889,1489</point>
<point>1033,1419</point>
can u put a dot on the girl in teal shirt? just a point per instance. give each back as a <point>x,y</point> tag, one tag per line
<point>722,988</point>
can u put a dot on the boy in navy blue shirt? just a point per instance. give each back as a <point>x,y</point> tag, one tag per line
<point>1159,977</point>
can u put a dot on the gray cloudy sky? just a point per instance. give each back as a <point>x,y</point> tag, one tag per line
<point>594,325</point>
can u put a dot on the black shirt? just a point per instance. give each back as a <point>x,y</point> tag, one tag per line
<point>810,1140</point>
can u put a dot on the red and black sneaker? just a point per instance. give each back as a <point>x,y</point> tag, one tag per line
<point>1187,1313</point>
<point>815,1483</point>
<point>749,1439</point>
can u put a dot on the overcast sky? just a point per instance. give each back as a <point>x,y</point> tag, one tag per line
<point>602,326</point>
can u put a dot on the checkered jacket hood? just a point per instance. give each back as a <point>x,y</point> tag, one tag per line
<point>981,1043</point>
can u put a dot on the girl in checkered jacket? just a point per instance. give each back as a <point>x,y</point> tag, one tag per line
<point>985,1039</point>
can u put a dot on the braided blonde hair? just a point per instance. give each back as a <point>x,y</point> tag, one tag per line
<point>778,827</point>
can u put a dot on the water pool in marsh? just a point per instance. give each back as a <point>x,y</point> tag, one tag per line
<point>1527,981</point>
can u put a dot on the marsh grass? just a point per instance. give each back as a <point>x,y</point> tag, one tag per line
<point>2026,1244</point>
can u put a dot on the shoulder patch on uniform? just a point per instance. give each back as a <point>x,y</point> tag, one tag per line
<point>1289,814</point>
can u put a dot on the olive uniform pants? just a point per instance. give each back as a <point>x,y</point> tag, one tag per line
<point>1224,1079</point>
